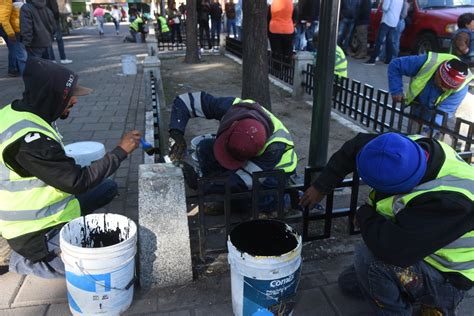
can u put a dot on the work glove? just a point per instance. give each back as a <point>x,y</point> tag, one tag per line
<point>177,145</point>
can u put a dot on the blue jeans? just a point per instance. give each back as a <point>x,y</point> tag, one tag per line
<point>396,41</point>
<point>345,32</point>
<point>384,36</point>
<point>16,53</point>
<point>89,201</point>
<point>59,39</point>
<point>231,25</point>
<point>215,30</point>
<point>392,290</point>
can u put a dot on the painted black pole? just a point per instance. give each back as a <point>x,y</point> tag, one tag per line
<point>323,83</point>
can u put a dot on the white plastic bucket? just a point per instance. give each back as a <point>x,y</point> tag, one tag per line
<point>99,280</point>
<point>84,153</point>
<point>265,262</point>
<point>129,64</point>
<point>194,142</point>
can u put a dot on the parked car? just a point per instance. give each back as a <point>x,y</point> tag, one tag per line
<point>430,24</point>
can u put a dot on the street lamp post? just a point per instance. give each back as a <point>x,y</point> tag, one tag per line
<point>323,83</point>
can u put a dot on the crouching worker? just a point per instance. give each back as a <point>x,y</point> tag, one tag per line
<point>417,226</point>
<point>249,139</point>
<point>41,188</point>
<point>138,29</point>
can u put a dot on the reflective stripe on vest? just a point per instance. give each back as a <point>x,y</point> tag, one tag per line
<point>28,204</point>
<point>340,67</point>
<point>245,173</point>
<point>193,103</point>
<point>419,82</point>
<point>454,176</point>
<point>164,25</point>
<point>135,25</point>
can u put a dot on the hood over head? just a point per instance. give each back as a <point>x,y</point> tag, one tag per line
<point>48,89</point>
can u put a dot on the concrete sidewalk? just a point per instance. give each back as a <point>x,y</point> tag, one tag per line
<point>116,106</point>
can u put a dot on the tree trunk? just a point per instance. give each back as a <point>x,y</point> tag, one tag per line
<point>255,83</point>
<point>192,56</point>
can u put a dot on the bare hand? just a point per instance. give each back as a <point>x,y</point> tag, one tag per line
<point>398,98</point>
<point>130,141</point>
<point>311,197</point>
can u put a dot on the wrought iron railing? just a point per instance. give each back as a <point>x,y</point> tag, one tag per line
<point>172,43</point>
<point>370,107</point>
<point>279,66</point>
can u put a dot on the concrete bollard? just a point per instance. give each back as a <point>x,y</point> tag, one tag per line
<point>302,59</point>
<point>164,245</point>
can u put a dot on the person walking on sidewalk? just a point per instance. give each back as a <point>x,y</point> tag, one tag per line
<point>463,41</point>
<point>175,16</point>
<point>216,20</point>
<point>249,139</point>
<point>417,225</point>
<point>438,82</point>
<point>346,25</point>
<point>58,34</point>
<point>204,9</point>
<point>116,18</point>
<point>10,32</point>
<point>41,188</point>
<point>99,13</point>
<point>230,16</point>
<point>362,28</point>
<point>391,10</point>
<point>36,28</point>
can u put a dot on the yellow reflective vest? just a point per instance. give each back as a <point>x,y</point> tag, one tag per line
<point>28,204</point>
<point>455,175</point>
<point>432,63</point>
<point>340,67</point>
<point>280,134</point>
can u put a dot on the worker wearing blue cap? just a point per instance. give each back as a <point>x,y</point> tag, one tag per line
<point>417,227</point>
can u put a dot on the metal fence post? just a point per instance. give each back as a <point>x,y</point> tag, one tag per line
<point>302,59</point>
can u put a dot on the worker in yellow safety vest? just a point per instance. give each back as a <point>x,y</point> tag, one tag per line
<point>417,226</point>
<point>41,188</point>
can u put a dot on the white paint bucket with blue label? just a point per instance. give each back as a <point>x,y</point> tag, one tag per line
<point>98,252</point>
<point>265,264</point>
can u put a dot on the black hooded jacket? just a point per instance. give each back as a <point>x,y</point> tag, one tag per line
<point>48,89</point>
<point>37,24</point>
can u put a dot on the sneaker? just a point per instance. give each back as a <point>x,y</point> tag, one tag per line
<point>201,50</point>
<point>66,61</point>
<point>54,62</point>
<point>349,284</point>
<point>117,33</point>
<point>370,62</point>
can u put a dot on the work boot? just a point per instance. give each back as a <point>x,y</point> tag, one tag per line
<point>349,284</point>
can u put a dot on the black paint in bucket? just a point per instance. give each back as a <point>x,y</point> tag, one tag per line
<point>263,237</point>
<point>101,236</point>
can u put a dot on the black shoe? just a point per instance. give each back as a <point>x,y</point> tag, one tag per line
<point>370,62</point>
<point>13,73</point>
<point>349,284</point>
<point>3,269</point>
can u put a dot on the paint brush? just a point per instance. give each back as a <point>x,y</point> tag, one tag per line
<point>147,147</point>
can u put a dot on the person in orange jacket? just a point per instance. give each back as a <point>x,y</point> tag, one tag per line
<point>10,32</point>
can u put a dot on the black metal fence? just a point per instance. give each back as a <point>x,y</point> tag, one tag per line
<point>370,107</point>
<point>171,41</point>
<point>279,66</point>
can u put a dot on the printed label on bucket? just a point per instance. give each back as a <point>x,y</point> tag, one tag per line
<point>270,297</point>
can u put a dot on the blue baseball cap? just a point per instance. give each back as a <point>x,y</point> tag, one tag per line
<point>391,163</point>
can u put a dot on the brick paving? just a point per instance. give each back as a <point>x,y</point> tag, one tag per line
<point>117,105</point>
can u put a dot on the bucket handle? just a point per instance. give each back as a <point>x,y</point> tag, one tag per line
<point>126,288</point>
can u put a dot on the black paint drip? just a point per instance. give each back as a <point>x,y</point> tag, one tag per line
<point>263,238</point>
<point>101,236</point>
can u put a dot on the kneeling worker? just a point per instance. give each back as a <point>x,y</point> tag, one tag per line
<point>417,225</point>
<point>249,139</point>
<point>41,188</point>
